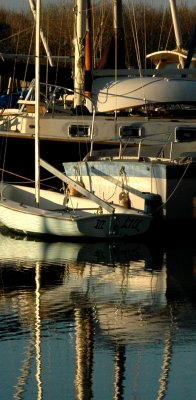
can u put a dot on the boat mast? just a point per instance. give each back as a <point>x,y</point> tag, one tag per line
<point>37,102</point>
<point>88,52</point>
<point>80,22</point>
<point>177,31</point>
<point>191,51</point>
<point>176,24</point>
<point>114,54</point>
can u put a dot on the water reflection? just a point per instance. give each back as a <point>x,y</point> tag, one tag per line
<point>95,320</point>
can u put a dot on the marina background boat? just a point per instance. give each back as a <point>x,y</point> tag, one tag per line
<point>59,130</point>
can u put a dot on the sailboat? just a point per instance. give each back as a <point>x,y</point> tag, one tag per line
<point>38,211</point>
<point>158,172</point>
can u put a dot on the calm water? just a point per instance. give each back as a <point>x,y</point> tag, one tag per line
<point>97,321</point>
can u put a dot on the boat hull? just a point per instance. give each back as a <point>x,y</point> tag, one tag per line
<point>173,182</point>
<point>54,218</point>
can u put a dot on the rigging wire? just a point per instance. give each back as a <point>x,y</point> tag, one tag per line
<point>10,88</point>
<point>132,17</point>
<point>30,47</point>
<point>162,26</point>
<point>59,48</point>
<point>136,42</point>
<point>102,24</point>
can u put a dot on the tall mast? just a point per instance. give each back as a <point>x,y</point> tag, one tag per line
<point>80,22</point>
<point>88,51</point>
<point>114,55</point>
<point>176,24</point>
<point>177,31</point>
<point>191,51</point>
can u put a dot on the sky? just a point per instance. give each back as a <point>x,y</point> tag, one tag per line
<point>22,4</point>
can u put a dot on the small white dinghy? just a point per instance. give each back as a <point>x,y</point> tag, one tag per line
<point>84,217</point>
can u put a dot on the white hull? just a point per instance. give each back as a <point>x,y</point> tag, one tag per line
<point>125,93</point>
<point>18,212</point>
<point>141,180</point>
<point>107,130</point>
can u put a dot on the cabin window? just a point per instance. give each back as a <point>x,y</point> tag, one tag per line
<point>79,130</point>
<point>185,134</point>
<point>129,131</point>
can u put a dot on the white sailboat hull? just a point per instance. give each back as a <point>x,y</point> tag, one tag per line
<point>18,212</point>
<point>125,93</point>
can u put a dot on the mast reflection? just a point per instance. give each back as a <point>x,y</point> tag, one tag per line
<point>113,295</point>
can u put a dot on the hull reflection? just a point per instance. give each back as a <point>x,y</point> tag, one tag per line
<point>118,301</point>
<point>121,282</point>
